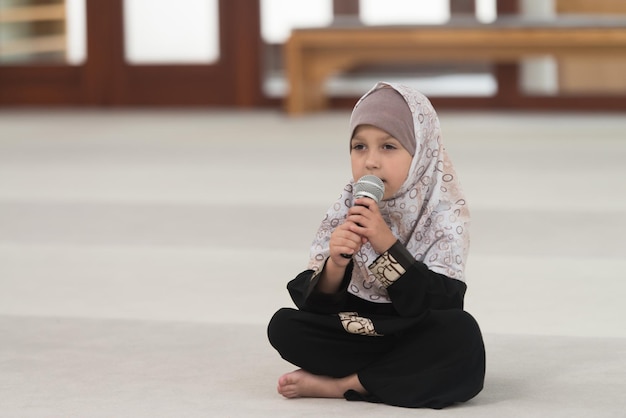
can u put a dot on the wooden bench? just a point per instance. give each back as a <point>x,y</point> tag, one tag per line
<point>314,55</point>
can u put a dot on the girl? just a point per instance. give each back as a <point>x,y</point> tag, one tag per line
<point>380,309</point>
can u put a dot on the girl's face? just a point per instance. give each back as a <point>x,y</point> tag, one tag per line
<point>374,151</point>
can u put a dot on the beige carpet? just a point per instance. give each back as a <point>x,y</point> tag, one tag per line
<point>116,368</point>
<point>142,253</point>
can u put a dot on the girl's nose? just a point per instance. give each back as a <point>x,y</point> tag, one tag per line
<point>372,160</point>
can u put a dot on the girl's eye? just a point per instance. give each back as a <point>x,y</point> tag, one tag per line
<point>358,147</point>
<point>389,146</point>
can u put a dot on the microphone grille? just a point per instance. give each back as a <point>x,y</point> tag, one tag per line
<point>369,186</point>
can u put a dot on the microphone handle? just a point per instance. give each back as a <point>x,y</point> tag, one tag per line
<point>348,255</point>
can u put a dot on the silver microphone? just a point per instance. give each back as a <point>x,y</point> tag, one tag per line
<point>368,186</point>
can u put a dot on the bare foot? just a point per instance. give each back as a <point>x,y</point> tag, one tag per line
<point>302,384</point>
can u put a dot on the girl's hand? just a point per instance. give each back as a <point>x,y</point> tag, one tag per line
<point>365,220</point>
<point>344,241</point>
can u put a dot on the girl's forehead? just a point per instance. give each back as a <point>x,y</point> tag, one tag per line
<point>370,131</point>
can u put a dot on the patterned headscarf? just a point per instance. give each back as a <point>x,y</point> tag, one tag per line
<point>428,214</point>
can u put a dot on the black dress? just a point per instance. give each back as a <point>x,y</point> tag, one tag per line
<point>421,350</point>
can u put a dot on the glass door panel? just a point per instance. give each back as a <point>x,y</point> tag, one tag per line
<point>279,17</point>
<point>166,32</point>
<point>390,12</point>
<point>187,52</point>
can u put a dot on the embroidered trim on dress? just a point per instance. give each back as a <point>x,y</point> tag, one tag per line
<point>355,324</point>
<point>387,269</point>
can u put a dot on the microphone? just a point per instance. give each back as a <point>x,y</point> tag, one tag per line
<point>368,186</point>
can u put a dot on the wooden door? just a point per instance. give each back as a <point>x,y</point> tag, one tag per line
<point>106,78</point>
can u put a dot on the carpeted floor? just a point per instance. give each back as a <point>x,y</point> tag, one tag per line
<point>142,253</point>
<point>116,368</point>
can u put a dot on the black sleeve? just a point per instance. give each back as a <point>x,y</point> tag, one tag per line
<point>412,287</point>
<point>304,294</point>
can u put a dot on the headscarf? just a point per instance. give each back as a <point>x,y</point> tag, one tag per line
<point>428,214</point>
<point>386,109</point>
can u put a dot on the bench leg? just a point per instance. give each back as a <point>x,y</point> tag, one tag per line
<point>306,93</point>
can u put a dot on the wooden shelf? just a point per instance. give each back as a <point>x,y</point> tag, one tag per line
<point>33,13</point>
<point>32,30</point>
<point>34,45</point>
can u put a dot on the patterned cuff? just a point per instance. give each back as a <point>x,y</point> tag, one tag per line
<point>392,264</point>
